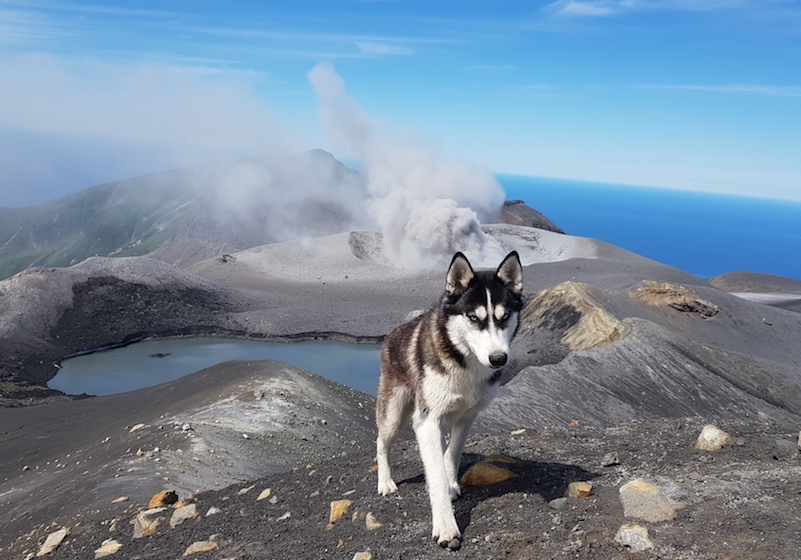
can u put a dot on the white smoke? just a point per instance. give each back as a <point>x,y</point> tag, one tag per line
<point>426,206</point>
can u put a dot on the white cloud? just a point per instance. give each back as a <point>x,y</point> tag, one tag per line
<point>84,122</point>
<point>371,47</point>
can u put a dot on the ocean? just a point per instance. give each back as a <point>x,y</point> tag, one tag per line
<point>705,234</point>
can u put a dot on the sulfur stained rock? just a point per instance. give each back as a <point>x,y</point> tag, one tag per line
<point>338,510</point>
<point>485,474</point>
<point>200,546</point>
<point>147,522</point>
<point>163,498</point>
<point>182,514</point>
<point>579,490</point>
<point>643,500</point>
<point>371,522</point>
<point>712,438</point>
<point>109,547</point>
<point>53,541</point>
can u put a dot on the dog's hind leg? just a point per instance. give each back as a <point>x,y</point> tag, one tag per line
<point>391,414</point>
<point>453,455</point>
<point>429,434</point>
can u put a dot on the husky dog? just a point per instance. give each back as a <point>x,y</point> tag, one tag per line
<point>441,369</point>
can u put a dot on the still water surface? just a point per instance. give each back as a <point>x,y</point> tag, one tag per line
<point>149,363</point>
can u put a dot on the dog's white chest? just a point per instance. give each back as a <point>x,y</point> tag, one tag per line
<point>458,392</point>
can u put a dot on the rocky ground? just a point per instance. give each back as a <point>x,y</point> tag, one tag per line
<point>739,502</point>
<point>616,354</point>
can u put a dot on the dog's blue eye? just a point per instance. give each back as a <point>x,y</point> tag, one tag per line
<point>472,317</point>
<point>505,316</point>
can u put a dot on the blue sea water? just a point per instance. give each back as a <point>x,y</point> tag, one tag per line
<point>704,234</point>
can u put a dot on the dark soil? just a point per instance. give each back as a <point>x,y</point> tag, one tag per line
<point>740,502</point>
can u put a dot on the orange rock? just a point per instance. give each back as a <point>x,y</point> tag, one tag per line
<point>579,490</point>
<point>485,474</point>
<point>163,498</point>
<point>338,509</point>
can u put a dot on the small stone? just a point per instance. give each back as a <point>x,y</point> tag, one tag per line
<point>610,459</point>
<point>212,511</point>
<point>363,556</point>
<point>163,498</point>
<point>109,547</point>
<point>558,503</point>
<point>136,428</point>
<point>246,490</point>
<point>338,510</point>
<point>119,500</point>
<point>53,541</point>
<point>200,546</point>
<point>264,494</point>
<point>287,515</point>
<point>784,450</point>
<point>182,514</point>
<point>579,490</point>
<point>485,474</point>
<point>645,501</point>
<point>799,439</point>
<point>712,438</point>
<point>371,522</point>
<point>186,428</point>
<point>518,432</point>
<point>634,537</point>
<point>273,500</point>
<point>147,522</point>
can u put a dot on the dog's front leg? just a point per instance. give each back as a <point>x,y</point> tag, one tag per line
<point>430,438</point>
<point>453,455</point>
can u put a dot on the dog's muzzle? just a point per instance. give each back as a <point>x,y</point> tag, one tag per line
<point>497,359</point>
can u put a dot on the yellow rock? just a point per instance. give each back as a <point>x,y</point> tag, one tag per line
<point>200,546</point>
<point>53,541</point>
<point>163,498</point>
<point>643,500</point>
<point>711,438</point>
<point>363,556</point>
<point>579,490</point>
<point>338,509</point>
<point>485,474</point>
<point>109,547</point>
<point>371,522</point>
<point>147,522</point>
<point>264,494</point>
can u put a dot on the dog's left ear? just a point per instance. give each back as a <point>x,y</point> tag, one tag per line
<point>460,273</point>
<point>510,272</point>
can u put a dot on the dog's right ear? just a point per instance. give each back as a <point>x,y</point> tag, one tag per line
<point>459,275</point>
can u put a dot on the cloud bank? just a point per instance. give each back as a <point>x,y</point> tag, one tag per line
<point>67,124</point>
<point>425,205</point>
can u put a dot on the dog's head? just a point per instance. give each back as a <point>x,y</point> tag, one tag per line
<point>483,308</point>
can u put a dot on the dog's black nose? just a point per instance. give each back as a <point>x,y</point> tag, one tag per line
<point>497,359</point>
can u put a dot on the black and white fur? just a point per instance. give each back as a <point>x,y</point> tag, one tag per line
<point>441,369</point>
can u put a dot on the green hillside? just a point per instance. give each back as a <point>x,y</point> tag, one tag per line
<point>187,210</point>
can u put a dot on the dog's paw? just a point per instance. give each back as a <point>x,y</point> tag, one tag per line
<point>447,533</point>
<point>386,487</point>
<point>456,491</point>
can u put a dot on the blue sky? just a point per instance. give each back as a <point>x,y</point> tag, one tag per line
<point>688,94</point>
